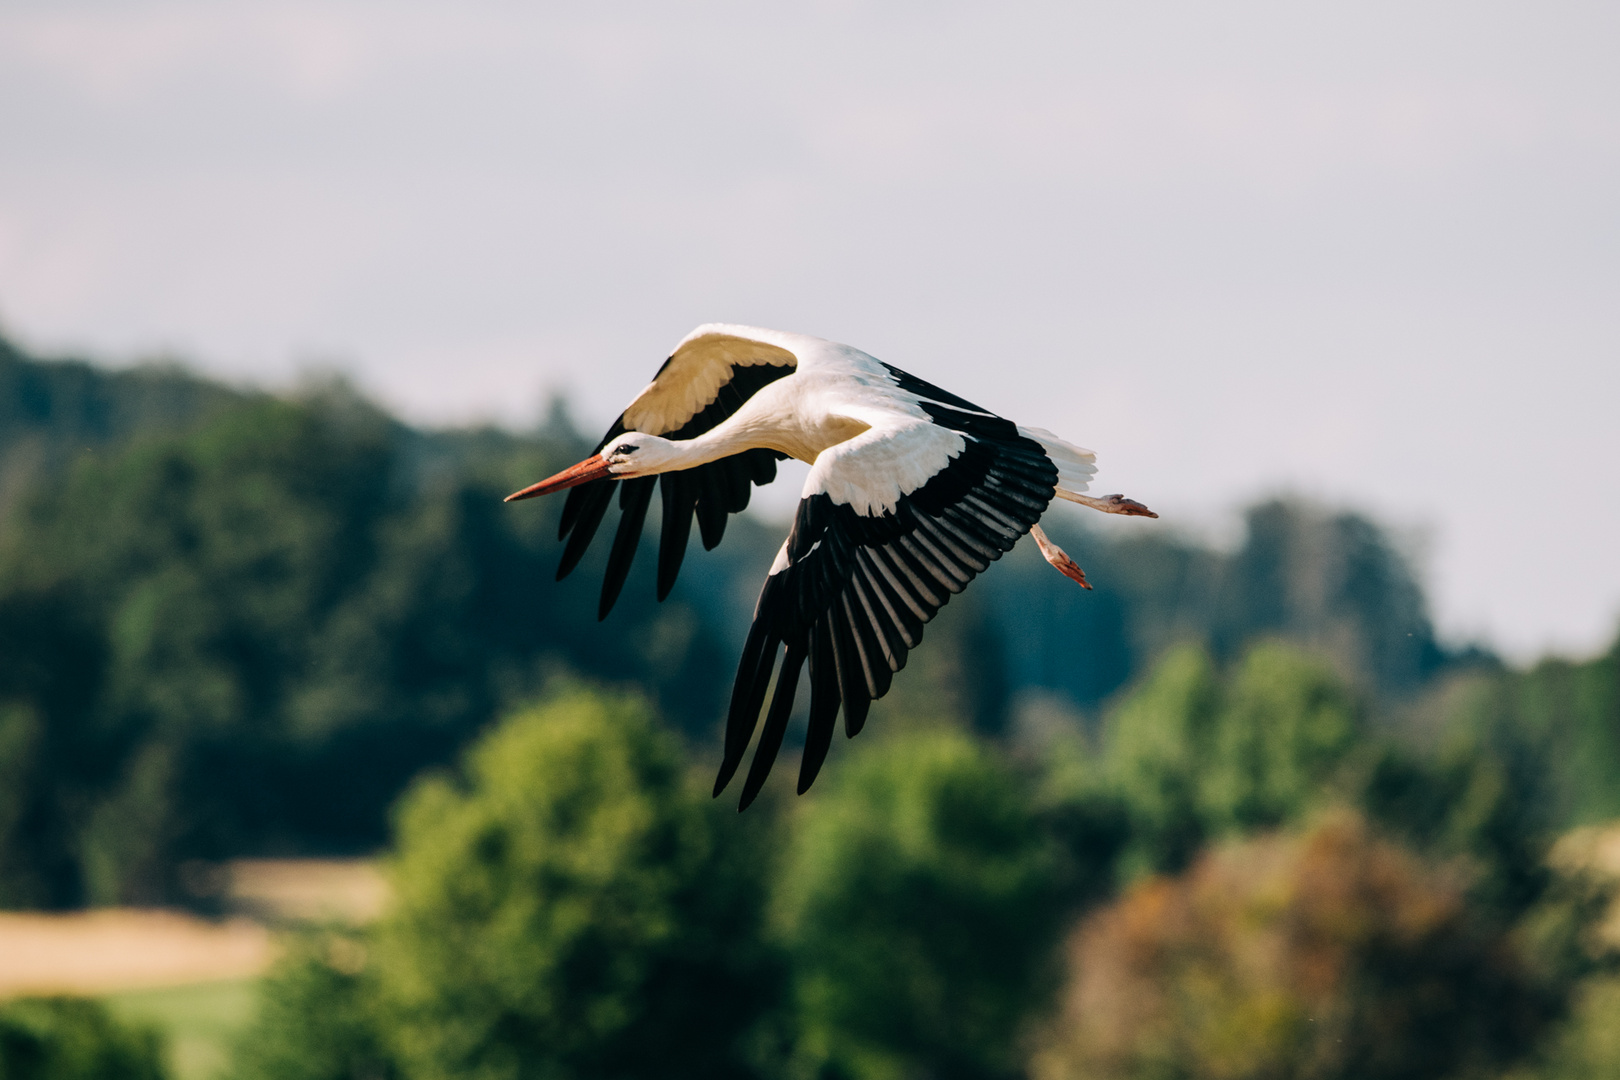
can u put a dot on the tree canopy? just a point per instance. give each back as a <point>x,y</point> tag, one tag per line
<point>573,910</point>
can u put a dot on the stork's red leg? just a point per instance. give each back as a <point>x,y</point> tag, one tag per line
<point>1059,558</point>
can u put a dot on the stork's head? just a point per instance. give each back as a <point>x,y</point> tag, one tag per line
<point>625,456</point>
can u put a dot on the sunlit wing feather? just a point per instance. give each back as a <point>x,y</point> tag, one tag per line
<point>707,379</point>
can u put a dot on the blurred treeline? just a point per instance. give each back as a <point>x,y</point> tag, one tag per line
<point>1233,814</point>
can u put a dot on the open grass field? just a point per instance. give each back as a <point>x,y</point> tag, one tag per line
<point>200,1021</point>
<point>191,977</point>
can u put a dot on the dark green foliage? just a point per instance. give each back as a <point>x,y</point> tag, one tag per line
<point>317,1016</point>
<point>1288,723</point>
<point>1332,583</point>
<point>1091,825</point>
<point>74,1039</point>
<point>577,908</point>
<point>1564,714</point>
<point>1159,742</point>
<point>52,414</point>
<point>1193,756</point>
<point>576,900</point>
<point>1469,802</point>
<point>1513,760</point>
<point>250,638</point>
<point>919,904</point>
<point>52,664</point>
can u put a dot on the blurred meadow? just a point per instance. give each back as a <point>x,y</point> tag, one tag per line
<point>311,770</point>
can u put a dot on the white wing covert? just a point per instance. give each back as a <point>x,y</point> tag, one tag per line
<point>892,523</point>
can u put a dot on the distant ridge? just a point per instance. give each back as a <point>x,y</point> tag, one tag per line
<point>53,410</point>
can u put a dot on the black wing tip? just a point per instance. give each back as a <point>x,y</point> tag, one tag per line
<point>806,779</point>
<point>634,498</point>
<point>749,795</point>
<point>776,722</point>
<point>816,747</point>
<point>679,503</point>
<point>722,781</point>
<point>855,712</point>
<point>752,787</point>
<point>728,767</point>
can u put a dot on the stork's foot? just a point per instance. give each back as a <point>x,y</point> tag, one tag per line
<point>1115,504</point>
<point>1128,507</point>
<point>1059,558</point>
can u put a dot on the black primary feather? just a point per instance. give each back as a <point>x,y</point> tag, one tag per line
<point>680,498</point>
<point>858,590</point>
<point>634,498</point>
<point>709,492</point>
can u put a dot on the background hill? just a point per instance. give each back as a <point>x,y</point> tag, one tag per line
<point>239,623</point>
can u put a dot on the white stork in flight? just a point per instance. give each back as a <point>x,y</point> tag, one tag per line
<point>912,491</point>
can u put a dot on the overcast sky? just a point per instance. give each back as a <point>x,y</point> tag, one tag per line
<point>1366,252</point>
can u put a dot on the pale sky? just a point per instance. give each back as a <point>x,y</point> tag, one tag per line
<point>1369,253</point>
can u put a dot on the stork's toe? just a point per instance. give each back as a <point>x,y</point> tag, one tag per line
<point>1119,504</point>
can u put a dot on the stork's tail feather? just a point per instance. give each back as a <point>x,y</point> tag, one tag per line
<point>1075,464</point>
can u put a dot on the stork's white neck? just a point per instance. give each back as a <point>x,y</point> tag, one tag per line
<point>800,439</point>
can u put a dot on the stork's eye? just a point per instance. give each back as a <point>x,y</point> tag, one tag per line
<point>624,448</point>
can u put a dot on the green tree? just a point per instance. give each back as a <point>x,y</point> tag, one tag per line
<point>317,1016</point>
<point>20,736</point>
<point>74,1039</point>
<point>1193,756</point>
<point>1288,723</point>
<point>250,637</point>
<point>1158,743</point>
<point>1330,582</point>
<point>1560,718</point>
<point>919,904</point>
<point>1466,801</point>
<point>577,907</point>
<point>52,412</point>
<point>53,757</point>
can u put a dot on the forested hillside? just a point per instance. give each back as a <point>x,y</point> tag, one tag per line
<point>52,413</point>
<point>236,622</point>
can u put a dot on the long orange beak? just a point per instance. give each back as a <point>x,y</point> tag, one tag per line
<point>594,467</point>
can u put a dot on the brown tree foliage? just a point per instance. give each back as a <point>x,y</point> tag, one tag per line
<point>1333,954</point>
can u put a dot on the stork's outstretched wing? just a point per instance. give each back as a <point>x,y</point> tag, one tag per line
<point>876,550</point>
<point>706,380</point>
